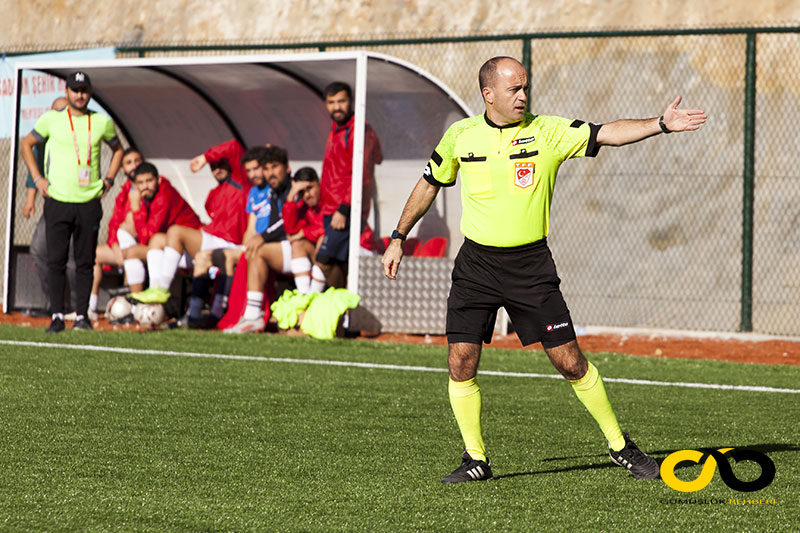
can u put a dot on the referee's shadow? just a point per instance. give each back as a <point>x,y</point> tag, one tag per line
<point>602,461</point>
<point>576,468</point>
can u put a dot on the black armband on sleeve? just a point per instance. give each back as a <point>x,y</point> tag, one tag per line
<point>592,147</point>
<point>344,209</point>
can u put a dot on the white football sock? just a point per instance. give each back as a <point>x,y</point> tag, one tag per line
<point>254,301</point>
<point>155,258</point>
<point>169,265</point>
<point>317,279</point>
<point>134,271</point>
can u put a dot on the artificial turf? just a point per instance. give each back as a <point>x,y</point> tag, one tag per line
<point>123,440</point>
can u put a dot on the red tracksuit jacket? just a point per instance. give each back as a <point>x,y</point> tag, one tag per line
<point>298,216</point>
<point>122,205</point>
<point>167,208</point>
<point>337,168</point>
<point>226,205</point>
<point>232,151</point>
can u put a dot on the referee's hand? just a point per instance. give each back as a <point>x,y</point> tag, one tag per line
<point>391,258</point>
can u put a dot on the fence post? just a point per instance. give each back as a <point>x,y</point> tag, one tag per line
<point>748,185</point>
<point>526,62</point>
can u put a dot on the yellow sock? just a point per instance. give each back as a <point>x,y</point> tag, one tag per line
<point>465,399</point>
<point>592,393</point>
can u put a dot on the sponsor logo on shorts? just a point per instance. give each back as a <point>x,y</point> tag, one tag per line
<point>525,140</point>
<point>523,174</point>
<point>551,327</point>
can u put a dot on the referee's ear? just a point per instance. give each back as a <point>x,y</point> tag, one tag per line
<point>488,95</point>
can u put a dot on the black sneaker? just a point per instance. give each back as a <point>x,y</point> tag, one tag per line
<point>203,322</point>
<point>641,465</point>
<point>470,470</point>
<point>56,326</point>
<point>82,323</point>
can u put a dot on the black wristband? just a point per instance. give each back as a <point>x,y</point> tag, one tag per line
<point>663,126</point>
<point>397,235</point>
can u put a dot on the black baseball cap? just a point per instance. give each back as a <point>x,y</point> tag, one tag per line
<point>79,79</point>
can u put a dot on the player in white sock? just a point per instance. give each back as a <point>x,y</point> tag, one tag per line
<point>303,222</point>
<point>266,247</point>
<point>111,252</point>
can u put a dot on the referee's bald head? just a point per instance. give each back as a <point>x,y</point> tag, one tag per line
<point>488,71</point>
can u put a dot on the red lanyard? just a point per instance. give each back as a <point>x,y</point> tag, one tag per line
<point>75,140</point>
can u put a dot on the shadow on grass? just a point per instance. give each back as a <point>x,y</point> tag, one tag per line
<point>657,454</point>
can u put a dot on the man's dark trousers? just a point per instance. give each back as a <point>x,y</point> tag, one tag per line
<point>79,222</point>
<point>38,251</point>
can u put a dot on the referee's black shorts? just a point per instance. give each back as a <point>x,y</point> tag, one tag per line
<point>522,279</point>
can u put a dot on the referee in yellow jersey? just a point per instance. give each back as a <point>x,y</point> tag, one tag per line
<point>508,161</point>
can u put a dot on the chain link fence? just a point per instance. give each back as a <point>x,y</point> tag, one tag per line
<point>654,234</point>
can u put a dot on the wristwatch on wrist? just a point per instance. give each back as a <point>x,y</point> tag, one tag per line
<point>663,126</point>
<point>397,235</point>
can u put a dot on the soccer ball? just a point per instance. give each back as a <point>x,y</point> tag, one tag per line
<point>118,307</point>
<point>149,315</point>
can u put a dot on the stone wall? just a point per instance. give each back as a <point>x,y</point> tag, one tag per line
<point>62,22</point>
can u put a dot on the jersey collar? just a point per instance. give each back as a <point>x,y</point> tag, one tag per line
<point>230,181</point>
<point>493,125</point>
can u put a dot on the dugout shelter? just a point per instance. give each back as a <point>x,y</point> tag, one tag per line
<point>174,108</point>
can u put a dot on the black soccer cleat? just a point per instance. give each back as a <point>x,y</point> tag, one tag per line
<point>82,323</point>
<point>208,321</point>
<point>638,463</point>
<point>56,326</point>
<point>470,470</point>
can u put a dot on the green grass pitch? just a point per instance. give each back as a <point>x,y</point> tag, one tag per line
<point>116,439</point>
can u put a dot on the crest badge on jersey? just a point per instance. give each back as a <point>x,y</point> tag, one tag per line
<point>523,174</point>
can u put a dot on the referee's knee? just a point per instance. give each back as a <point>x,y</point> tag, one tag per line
<point>568,360</point>
<point>463,360</point>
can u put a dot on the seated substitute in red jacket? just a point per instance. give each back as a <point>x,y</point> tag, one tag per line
<point>302,221</point>
<point>230,151</point>
<point>155,206</point>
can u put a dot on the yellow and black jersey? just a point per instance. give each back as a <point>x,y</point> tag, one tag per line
<point>508,173</point>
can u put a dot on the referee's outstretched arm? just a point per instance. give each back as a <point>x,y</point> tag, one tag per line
<point>627,131</point>
<point>418,203</point>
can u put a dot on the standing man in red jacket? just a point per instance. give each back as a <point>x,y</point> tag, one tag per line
<point>336,182</point>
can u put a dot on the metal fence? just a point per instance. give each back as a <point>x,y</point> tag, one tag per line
<point>688,231</point>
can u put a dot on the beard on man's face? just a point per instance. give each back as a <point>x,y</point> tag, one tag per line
<point>340,117</point>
